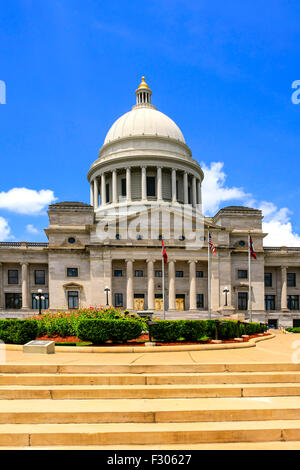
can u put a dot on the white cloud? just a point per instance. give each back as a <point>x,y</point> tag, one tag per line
<point>26,201</point>
<point>276,221</point>
<point>4,230</point>
<point>214,191</point>
<point>32,229</point>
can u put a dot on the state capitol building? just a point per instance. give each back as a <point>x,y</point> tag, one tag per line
<point>144,187</point>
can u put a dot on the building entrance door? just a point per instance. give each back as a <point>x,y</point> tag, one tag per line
<point>180,303</point>
<point>158,302</point>
<point>139,303</point>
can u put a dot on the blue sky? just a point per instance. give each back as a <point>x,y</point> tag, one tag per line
<point>222,70</point>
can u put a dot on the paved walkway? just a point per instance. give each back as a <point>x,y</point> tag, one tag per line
<point>278,349</point>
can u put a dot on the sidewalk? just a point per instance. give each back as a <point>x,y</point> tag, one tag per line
<point>278,349</point>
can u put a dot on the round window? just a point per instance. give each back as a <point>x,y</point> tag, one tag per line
<point>71,240</point>
<point>242,243</point>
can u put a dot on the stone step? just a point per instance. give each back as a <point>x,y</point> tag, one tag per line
<point>84,392</point>
<point>151,434</point>
<point>149,410</point>
<point>147,379</point>
<point>145,368</point>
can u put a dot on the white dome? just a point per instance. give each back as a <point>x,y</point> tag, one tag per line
<point>144,120</point>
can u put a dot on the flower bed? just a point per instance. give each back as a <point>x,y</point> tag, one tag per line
<point>110,326</point>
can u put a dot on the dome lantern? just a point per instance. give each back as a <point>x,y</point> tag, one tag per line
<point>143,94</point>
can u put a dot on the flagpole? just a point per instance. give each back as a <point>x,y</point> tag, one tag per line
<point>208,276</point>
<point>249,276</point>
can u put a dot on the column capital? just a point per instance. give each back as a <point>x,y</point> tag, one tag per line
<point>127,260</point>
<point>24,263</point>
<point>170,260</point>
<point>190,261</point>
<point>150,260</point>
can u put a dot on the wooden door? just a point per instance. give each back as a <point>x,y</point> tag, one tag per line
<point>159,304</point>
<point>179,304</point>
<point>139,304</point>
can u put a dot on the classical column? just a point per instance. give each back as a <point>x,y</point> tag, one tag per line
<point>159,183</point>
<point>103,190</point>
<point>185,188</point>
<point>194,192</point>
<point>150,274</point>
<point>172,289</point>
<point>193,296</point>
<point>92,193</point>
<point>144,183</point>
<point>1,287</point>
<point>174,189</point>
<point>114,187</point>
<point>128,184</point>
<point>96,193</point>
<point>129,269</point>
<point>25,304</point>
<point>283,288</point>
<point>199,199</point>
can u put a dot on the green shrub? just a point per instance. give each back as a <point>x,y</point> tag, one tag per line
<point>294,330</point>
<point>15,331</point>
<point>98,331</point>
<point>192,330</point>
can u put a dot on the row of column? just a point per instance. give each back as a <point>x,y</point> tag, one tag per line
<point>25,286</point>
<point>172,288</point>
<point>195,188</point>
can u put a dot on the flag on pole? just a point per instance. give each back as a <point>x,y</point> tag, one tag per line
<point>164,253</point>
<point>211,245</point>
<point>252,252</point>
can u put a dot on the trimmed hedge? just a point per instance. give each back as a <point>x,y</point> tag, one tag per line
<point>99,331</point>
<point>14,331</point>
<point>193,330</point>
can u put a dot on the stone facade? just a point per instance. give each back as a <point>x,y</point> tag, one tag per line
<point>143,184</point>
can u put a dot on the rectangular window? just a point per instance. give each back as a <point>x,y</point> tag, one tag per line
<point>199,273</point>
<point>123,186</point>
<point>13,301</point>
<point>39,277</point>
<point>291,279</point>
<point>242,274</point>
<point>73,299</point>
<point>107,192</point>
<point>200,302</point>
<point>179,273</point>
<point>268,279</point>
<point>139,273</point>
<point>118,273</point>
<point>242,300</point>
<point>151,186</point>
<point>158,273</point>
<point>44,302</point>
<point>293,302</point>
<point>72,272</point>
<point>13,276</point>
<point>118,300</point>
<point>270,302</point>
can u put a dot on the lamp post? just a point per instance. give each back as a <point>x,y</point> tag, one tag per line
<point>226,291</point>
<point>40,297</point>
<point>107,290</point>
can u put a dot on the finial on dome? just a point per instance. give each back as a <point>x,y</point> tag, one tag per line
<point>143,84</point>
<point>143,94</point>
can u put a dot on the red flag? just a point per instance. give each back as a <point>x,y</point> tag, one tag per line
<point>164,253</point>
<point>252,252</point>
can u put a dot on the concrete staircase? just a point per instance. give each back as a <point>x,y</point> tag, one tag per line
<point>150,406</point>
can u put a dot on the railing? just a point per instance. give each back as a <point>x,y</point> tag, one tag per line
<point>41,244</point>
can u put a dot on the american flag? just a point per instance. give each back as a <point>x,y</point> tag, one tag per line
<point>211,245</point>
